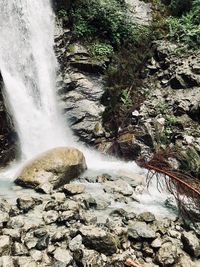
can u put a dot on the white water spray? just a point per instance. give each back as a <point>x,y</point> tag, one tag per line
<point>27,64</point>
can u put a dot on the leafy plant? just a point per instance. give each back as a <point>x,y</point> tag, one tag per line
<point>186,29</point>
<point>125,98</point>
<point>103,19</point>
<point>100,49</point>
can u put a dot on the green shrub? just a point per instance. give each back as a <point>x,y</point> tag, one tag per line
<point>104,19</point>
<point>186,29</point>
<point>100,49</point>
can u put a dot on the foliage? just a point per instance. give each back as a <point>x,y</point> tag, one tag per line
<point>186,29</point>
<point>100,49</point>
<point>125,98</point>
<point>180,7</point>
<point>62,13</point>
<point>102,19</point>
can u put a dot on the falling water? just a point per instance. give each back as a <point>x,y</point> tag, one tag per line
<point>27,64</point>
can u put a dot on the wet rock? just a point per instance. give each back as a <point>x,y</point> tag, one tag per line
<point>128,146</point>
<point>4,206</point>
<point>167,254</point>
<point>68,205</point>
<point>118,186</point>
<point>157,243</point>
<point>30,241</point>
<point>87,218</point>
<point>5,245</point>
<point>36,255</point>
<point>27,203</point>
<point>80,102</point>
<point>66,216</point>
<point>88,257</point>
<point>42,242</point>
<point>16,222</point>
<point>25,262</point>
<point>59,197</point>
<point>59,236</point>
<point>55,167</point>
<point>4,217</point>
<point>75,243</point>
<point>98,239</point>
<point>138,230</point>
<point>191,243</point>
<point>146,217</point>
<point>13,233</point>
<point>184,261</point>
<point>73,189</point>
<point>62,257</point>
<point>50,216</point>
<point>19,249</point>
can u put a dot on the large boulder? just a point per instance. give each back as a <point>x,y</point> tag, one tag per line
<point>52,169</point>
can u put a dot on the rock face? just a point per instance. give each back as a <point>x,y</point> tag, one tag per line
<point>52,169</point>
<point>8,137</point>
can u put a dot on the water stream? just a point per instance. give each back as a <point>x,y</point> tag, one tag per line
<point>28,66</point>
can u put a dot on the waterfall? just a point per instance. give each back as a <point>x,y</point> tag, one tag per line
<point>28,67</point>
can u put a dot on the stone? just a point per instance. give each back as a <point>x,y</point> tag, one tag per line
<point>191,243</point>
<point>4,217</point>
<point>59,197</point>
<point>157,243</point>
<point>184,261</point>
<point>42,242</point>
<point>66,216</point>
<point>13,233</point>
<point>75,243</point>
<point>16,222</point>
<point>138,230</point>
<point>5,245</point>
<point>58,236</point>
<point>55,167</point>
<point>25,203</point>
<point>146,217</point>
<point>50,216</point>
<point>36,254</point>
<point>99,240</point>
<point>73,189</point>
<point>6,261</point>
<point>167,254</point>
<point>62,257</point>
<point>128,146</point>
<point>25,262</point>
<point>19,249</point>
<point>4,206</point>
<point>118,186</point>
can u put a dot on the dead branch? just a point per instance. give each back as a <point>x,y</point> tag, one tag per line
<point>184,187</point>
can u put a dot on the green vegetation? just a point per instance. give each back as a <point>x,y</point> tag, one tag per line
<point>102,19</point>
<point>100,49</point>
<point>184,27</point>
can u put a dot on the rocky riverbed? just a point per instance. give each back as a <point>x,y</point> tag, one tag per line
<point>76,226</point>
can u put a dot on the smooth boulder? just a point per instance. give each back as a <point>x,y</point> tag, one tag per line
<point>52,169</point>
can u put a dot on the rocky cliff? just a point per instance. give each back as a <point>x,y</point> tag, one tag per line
<point>8,136</point>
